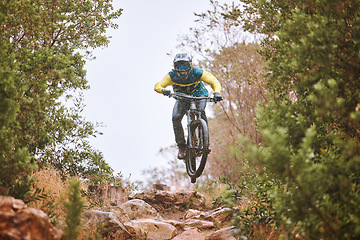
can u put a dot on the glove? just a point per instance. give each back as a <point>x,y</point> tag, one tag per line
<point>166,92</point>
<point>217,97</point>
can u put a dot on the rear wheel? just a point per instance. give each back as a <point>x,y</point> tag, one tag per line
<point>198,150</point>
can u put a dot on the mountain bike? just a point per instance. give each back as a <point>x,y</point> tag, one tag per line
<point>198,142</point>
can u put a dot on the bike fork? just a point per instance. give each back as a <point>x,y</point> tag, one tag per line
<point>190,118</point>
<point>191,115</point>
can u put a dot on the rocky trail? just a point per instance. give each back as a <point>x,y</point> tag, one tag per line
<point>187,212</point>
<point>150,215</point>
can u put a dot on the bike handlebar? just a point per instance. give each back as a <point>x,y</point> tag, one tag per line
<point>183,96</point>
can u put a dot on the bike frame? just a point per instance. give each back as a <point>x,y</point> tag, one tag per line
<point>192,113</point>
<point>198,136</point>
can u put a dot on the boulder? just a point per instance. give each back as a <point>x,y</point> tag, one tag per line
<point>151,229</point>
<point>139,209</point>
<point>17,222</point>
<point>218,216</point>
<point>190,234</point>
<point>222,234</point>
<point>191,213</point>
<point>107,222</point>
<point>119,212</point>
<point>109,195</point>
<point>190,199</point>
<point>161,200</point>
<point>200,224</point>
<point>179,225</point>
<point>157,198</point>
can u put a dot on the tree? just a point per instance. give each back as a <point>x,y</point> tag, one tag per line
<point>311,123</point>
<point>239,69</point>
<point>46,44</point>
<point>14,159</point>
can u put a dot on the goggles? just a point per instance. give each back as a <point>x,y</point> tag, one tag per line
<point>182,67</point>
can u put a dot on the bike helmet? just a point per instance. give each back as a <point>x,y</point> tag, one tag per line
<point>182,65</point>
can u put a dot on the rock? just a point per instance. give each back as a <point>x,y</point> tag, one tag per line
<point>165,198</point>
<point>151,229</point>
<point>141,219</point>
<point>112,195</point>
<point>108,222</point>
<point>200,224</point>
<point>157,198</point>
<point>190,199</point>
<point>119,211</point>
<point>17,222</point>
<point>192,213</point>
<point>139,209</point>
<point>179,225</point>
<point>190,234</point>
<point>222,234</point>
<point>161,200</point>
<point>220,216</point>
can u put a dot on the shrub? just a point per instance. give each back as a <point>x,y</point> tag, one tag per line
<point>74,206</point>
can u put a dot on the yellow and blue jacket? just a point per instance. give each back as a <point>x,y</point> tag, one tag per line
<point>192,85</point>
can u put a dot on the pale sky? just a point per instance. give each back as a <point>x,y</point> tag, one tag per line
<point>122,78</point>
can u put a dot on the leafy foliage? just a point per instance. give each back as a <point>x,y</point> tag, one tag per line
<point>311,125</point>
<point>15,159</point>
<point>45,44</point>
<point>256,208</point>
<point>26,189</point>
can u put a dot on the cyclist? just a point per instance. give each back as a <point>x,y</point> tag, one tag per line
<point>185,78</point>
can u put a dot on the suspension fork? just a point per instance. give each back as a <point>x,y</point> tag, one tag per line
<point>190,117</point>
<point>192,114</point>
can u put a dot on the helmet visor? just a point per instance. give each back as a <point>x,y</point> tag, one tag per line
<point>182,67</point>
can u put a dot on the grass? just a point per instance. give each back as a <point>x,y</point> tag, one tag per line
<point>49,180</point>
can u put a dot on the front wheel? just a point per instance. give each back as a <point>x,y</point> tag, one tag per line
<point>198,148</point>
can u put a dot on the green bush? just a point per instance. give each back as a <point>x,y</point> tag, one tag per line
<point>74,206</point>
<point>250,203</point>
<point>311,123</point>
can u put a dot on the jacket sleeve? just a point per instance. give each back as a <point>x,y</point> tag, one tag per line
<point>212,81</point>
<point>165,82</point>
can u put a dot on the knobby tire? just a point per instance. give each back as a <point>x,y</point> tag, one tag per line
<point>199,128</point>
